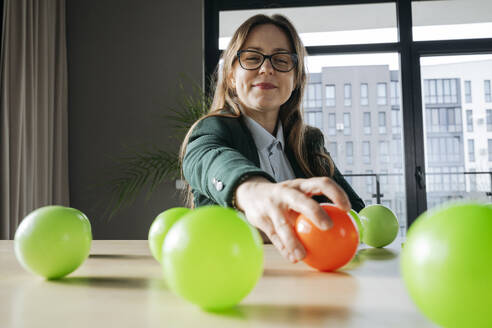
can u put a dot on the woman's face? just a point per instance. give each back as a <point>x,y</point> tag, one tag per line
<point>264,89</point>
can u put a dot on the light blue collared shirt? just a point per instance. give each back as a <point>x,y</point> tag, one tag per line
<point>273,159</point>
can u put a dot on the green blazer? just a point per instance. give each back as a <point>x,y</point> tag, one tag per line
<point>221,153</point>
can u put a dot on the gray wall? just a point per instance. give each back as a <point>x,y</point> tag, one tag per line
<point>125,59</point>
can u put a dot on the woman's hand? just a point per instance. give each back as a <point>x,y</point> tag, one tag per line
<point>274,207</point>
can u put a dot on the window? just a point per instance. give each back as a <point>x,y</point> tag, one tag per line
<point>382,94</point>
<point>330,96</point>
<point>333,150</point>
<point>490,149</point>
<point>313,97</point>
<point>469,120</point>
<point>382,122</point>
<point>451,120</point>
<point>347,126</point>
<point>488,114</point>
<point>332,124</point>
<point>468,93</point>
<point>366,152</point>
<point>364,94</point>
<point>395,93</point>
<point>369,182</point>
<point>440,91</point>
<point>314,118</point>
<point>471,150</point>
<point>383,152</point>
<point>347,94</point>
<point>395,121</point>
<point>486,89</point>
<point>366,122</point>
<point>349,152</point>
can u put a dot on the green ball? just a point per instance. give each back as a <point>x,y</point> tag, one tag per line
<point>160,227</point>
<point>53,241</point>
<point>356,218</point>
<point>446,264</point>
<point>212,257</point>
<point>380,225</point>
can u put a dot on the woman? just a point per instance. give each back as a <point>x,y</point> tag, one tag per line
<point>253,151</point>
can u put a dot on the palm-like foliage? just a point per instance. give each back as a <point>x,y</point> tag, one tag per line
<point>151,167</point>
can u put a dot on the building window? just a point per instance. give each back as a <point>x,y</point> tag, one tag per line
<point>314,118</point>
<point>369,182</point>
<point>468,92</point>
<point>333,150</point>
<point>395,121</point>
<point>330,95</point>
<point>469,120</point>
<point>366,122</point>
<point>451,120</point>
<point>382,122</point>
<point>486,89</point>
<point>382,94</point>
<point>366,152</point>
<point>490,149</point>
<point>347,125</point>
<point>349,152</point>
<point>347,94</point>
<point>440,91</point>
<point>313,98</point>
<point>332,124</point>
<point>488,113</point>
<point>364,94</point>
<point>395,93</point>
<point>383,152</point>
<point>471,150</point>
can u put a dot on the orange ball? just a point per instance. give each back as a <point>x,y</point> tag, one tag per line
<point>331,249</point>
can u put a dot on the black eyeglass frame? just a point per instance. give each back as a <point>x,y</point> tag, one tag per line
<point>269,57</point>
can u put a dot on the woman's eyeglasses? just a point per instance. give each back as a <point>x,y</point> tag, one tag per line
<point>281,61</point>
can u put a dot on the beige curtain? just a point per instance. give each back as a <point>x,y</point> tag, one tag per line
<point>33,110</point>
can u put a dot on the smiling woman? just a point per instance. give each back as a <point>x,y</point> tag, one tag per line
<point>252,151</point>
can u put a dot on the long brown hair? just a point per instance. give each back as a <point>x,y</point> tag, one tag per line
<point>226,103</point>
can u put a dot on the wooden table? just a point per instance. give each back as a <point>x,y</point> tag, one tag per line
<point>120,285</point>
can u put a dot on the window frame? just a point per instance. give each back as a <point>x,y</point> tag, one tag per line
<point>410,53</point>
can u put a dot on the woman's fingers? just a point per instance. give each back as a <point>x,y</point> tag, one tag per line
<point>323,186</point>
<point>300,203</point>
<point>286,234</point>
<point>267,226</point>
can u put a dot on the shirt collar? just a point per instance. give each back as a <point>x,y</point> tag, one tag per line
<point>263,139</point>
